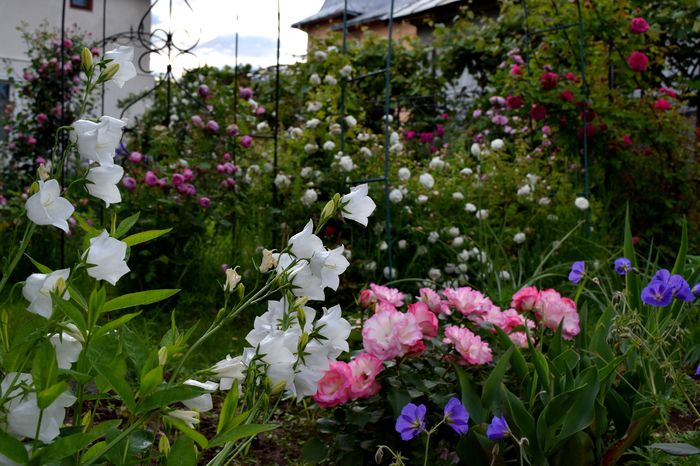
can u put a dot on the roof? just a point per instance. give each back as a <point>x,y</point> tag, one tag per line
<point>364,11</point>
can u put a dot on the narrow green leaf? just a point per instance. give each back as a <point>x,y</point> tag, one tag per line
<point>182,452</point>
<point>470,397</point>
<point>114,324</point>
<point>493,382</point>
<point>679,266</point>
<point>168,396</point>
<point>39,266</point>
<point>191,433</point>
<point>228,409</point>
<point>105,357</point>
<point>126,225</point>
<point>12,448</point>
<point>144,236</point>
<point>45,367</point>
<point>634,286</point>
<point>150,381</point>
<point>47,396</point>
<point>541,367</point>
<point>141,298</point>
<point>517,360</point>
<point>86,227</point>
<point>241,432</point>
<point>64,447</point>
<point>72,312</point>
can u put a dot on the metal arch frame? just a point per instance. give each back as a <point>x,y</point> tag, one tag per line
<point>387,132</point>
<point>584,86</point>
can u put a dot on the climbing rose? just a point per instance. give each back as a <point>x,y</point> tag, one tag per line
<point>637,61</point>
<point>639,25</point>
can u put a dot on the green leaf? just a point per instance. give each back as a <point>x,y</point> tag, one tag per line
<point>105,357</point>
<point>228,409</point>
<point>150,381</point>
<point>679,266</point>
<point>87,228</point>
<point>47,396</point>
<point>45,367</point>
<point>494,380</point>
<point>314,451</point>
<point>114,324</point>
<point>40,267</point>
<point>64,447</point>
<point>182,452</point>
<point>95,305</point>
<point>517,360</point>
<point>137,299</point>
<point>13,448</point>
<point>126,225</point>
<point>191,433</point>
<point>580,413</point>
<point>241,432</point>
<point>541,367</point>
<point>144,236</point>
<point>634,285</point>
<point>470,397</point>
<point>677,449</point>
<point>168,396</point>
<point>72,312</point>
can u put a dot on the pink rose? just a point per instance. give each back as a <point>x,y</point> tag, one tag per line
<point>232,130</point>
<point>525,299</point>
<point>637,61</point>
<point>390,334</point>
<point>367,298</point>
<point>551,309</point>
<point>150,178</point>
<point>129,183</point>
<point>390,295</point>
<point>639,25</point>
<point>548,81</point>
<point>515,70</point>
<point>246,141</point>
<point>467,301</point>
<point>662,105</point>
<point>468,345</point>
<point>434,302</point>
<point>426,320</point>
<point>364,368</point>
<point>538,112</point>
<point>197,121</point>
<point>178,179</point>
<point>334,387</point>
<point>204,202</point>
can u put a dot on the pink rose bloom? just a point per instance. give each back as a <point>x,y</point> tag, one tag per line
<point>383,306</point>
<point>220,168</point>
<point>469,346</point>
<point>390,295</point>
<point>426,138</point>
<point>178,179</point>
<point>135,157</point>
<point>212,126</point>
<point>639,25</point>
<point>497,100</point>
<point>246,141</point>
<point>525,299</point>
<point>440,131</point>
<point>519,339</point>
<point>41,119</point>
<point>204,202</point>
<point>669,92</point>
<point>627,139</point>
<point>187,173</point>
<point>495,317</point>
<point>204,91</point>
<point>230,168</point>
<point>129,183</point>
<point>367,298</point>
<point>245,92</point>
<point>548,81</point>
<point>230,182</point>
<point>662,105</point>
<point>232,130</point>
<point>637,61</point>
<point>551,309</point>
<point>467,301</point>
<point>260,110</point>
<point>197,121</point>
<point>334,387</point>
<point>476,113</point>
<point>226,156</point>
<point>515,70</point>
<point>163,183</point>
<point>390,334</point>
<point>410,134</point>
<point>426,320</point>
<point>416,349</point>
<point>434,302</point>
<point>364,368</point>
<point>150,178</point>
<point>31,140</point>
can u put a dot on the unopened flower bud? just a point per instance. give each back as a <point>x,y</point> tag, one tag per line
<point>328,211</point>
<point>108,73</point>
<point>162,356</point>
<point>268,261</point>
<point>303,341</point>
<point>301,316</point>
<point>86,59</point>
<point>60,286</point>
<point>43,172</point>
<point>278,387</point>
<point>232,280</point>
<point>164,444</point>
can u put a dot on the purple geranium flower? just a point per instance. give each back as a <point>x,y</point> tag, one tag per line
<point>577,271</point>
<point>657,293</point>
<point>696,290</point>
<point>411,421</point>
<point>622,265</point>
<point>697,371</point>
<point>498,429</point>
<point>681,288</point>
<point>456,416</point>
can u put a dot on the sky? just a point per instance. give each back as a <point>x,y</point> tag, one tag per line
<point>215,23</point>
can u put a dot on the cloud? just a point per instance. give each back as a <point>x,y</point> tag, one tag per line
<point>215,23</point>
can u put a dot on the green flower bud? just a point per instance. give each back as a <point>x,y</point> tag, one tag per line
<point>108,73</point>
<point>86,60</point>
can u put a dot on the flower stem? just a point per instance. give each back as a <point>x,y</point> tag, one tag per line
<point>10,266</point>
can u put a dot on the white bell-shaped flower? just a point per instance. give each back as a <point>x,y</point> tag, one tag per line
<point>123,56</point>
<point>107,255</point>
<point>37,290</point>
<point>357,205</point>
<point>103,182</point>
<point>47,207</point>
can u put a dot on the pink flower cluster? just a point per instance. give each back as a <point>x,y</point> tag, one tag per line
<point>345,381</point>
<point>550,309</point>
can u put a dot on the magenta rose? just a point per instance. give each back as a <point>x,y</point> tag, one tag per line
<point>639,25</point>
<point>637,61</point>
